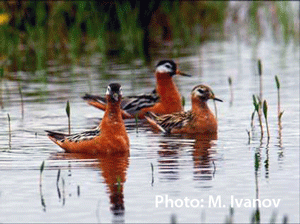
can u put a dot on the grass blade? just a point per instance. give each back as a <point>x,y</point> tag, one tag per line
<point>68,114</point>
<point>277,82</point>
<point>265,110</point>
<point>9,132</point>
<point>259,67</point>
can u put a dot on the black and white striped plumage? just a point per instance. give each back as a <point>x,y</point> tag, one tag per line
<point>167,122</point>
<point>130,104</point>
<point>83,136</point>
<point>198,119</point>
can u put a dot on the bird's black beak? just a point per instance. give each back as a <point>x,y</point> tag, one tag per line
<point>183,74</point>
<point>217,99</point>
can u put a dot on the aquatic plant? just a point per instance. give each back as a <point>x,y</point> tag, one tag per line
<point>41,186</point>
<point>130,32</point>
<point>57,183</point>
<point>279,112</point>
<point>119,184</point>
<point>265,110</point>
<point>231,90</point>
<point>257,109</point>
<point>260,98</point>
<point>9,132</point>
<point>125,29</point>
<point>78,190</point>
<point>249,135</point>
<point>63,191</point>
<point>183,101</point>
<point>22,102</point>
<point>229,219</point>
<point>1,86</point>
<point>136,119</point>
<point>68,114</point>
<point>173,219</point>
<point>42,167</point>
<point>259,65</point>
<point>152,172</point>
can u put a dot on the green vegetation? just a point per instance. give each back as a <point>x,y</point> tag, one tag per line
<point>119,184</point>
<point>231,90</point>
<point>183,101</point>
<point>68,114</point>
<point>34,33</point>
<point>257,109</point>
<point>9,132</point>
<point>41,186</point>
<point>22,102</point>
<point>279,112</point>
<point>152,172</point>
<point>265,110</point>
<point>136,119</point>
<point>1,86</point>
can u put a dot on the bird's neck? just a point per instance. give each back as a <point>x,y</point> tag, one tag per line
<point>112,113</point>
<point>199,105</point>
<point>166,87</point>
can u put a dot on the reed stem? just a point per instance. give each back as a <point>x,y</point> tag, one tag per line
<point>9,132</point>
<point>231,90</point>
<point>1,86</point>
<point>41,172</point>
<point>41,186</point>
<point>260,100</point>
<point>265,109</point>
<point>68,114</point>
<point>152,171</point>
<point>279,112</point>
<point>257,108</point>
<point>260,80</point>
<point>136,123</point>
<point>22,102</point>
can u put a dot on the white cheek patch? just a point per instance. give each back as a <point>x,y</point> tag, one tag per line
<point>164,69</point>
<point>197,93</point>
<point>108,90</point>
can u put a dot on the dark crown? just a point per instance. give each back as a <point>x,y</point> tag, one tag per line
<point>115,87</point>
<point>173,64</point>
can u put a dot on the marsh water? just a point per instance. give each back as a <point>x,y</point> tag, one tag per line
<point>162,172</point>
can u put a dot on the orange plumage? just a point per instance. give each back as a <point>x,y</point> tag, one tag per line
<point>164,99</point>
<point>199,119</point>
<point>109,137</point>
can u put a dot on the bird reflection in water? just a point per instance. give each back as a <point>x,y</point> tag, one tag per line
<point>113,170</point>
<point>202,152</point>
<point>204,166</point>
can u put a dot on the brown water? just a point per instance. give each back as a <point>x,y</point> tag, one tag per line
<point>78,189</point>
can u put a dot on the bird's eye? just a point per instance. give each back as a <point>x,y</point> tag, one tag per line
<point>168,65</point>
<point>200,90</point>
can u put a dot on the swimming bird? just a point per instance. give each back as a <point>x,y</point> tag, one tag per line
<point>164,99</point>
<point>199,119</point>
<point>109,137</point>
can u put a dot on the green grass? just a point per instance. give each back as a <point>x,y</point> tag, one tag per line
<point>68,112</point>
<point>70,29</point>
<point>9,132</point>
<point>1,87</point>
<point>265,110</point>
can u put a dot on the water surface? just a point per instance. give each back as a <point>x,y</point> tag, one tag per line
<point>79,189</point>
